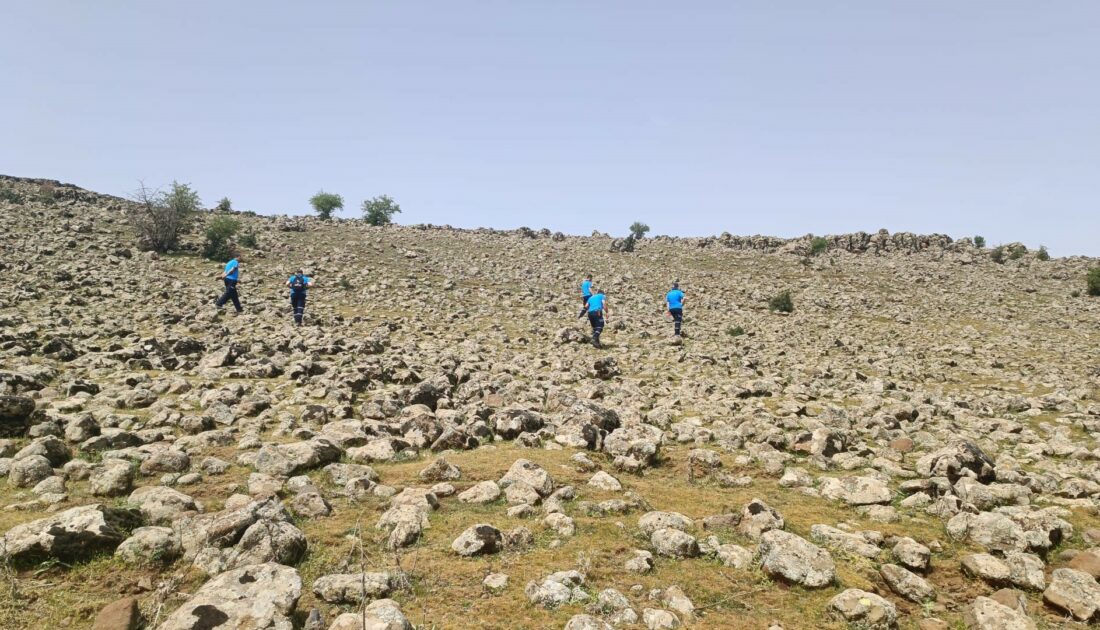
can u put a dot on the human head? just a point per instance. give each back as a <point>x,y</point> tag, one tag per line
<point>587,276</point>
<point>299,273</point>
<point>676,284</point>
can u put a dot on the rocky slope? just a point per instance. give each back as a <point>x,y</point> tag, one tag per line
<point>915,446</point>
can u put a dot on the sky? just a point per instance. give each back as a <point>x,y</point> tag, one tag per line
<point>697,118</point>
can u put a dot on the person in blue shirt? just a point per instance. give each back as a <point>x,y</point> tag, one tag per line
<point>231,275</point>
<point>675,301</point>
<point>586,292</point>
<point>299,283</point>
<point>597,314</point>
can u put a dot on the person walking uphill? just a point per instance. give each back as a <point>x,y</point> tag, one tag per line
<point>597,312</point>
<point>231,275</point>
<point>299,283</point>
<point>675,301</point>
<point>586,292</point>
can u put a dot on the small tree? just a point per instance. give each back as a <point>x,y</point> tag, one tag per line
<point>818,245</point>
<point>781,303</point>
<point>159,218</point>
<point>225,205</point>
<point>638,230</point>
<point>628,243</point>
<point>1094,281</point>
<point>979,242</point>
<point>998,255</point>
<point>1017,251</point>
<point>219,235</point>
<point>1043,253</point>
<point>380,210</point>
<point>324,204</point>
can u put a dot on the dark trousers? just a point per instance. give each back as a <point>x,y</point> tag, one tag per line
<point>584,308</point>
<point>596,319</point>
<point>299,304</point>
<point>678,317</point>
<point>230,294</point>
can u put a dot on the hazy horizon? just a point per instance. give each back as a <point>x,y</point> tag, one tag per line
<point>749,118</point>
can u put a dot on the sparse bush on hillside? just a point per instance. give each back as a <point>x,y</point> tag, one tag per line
<point>979,242</point>
<point>11,196</point>
<point>1075,293</point>
<point>248,239</point>
<point>380,210</point>
<point>160,217</point>
<point>781,303</point>
<point>638,230</point>
<point>628,243</point>
<point>818,245</point>
<point>735,331</point>
<point>324,204</point>
<point>1043,253</point>
<point>344,283</point>
<point>224,205</point>
<point>219,238</point>
<point>1017,251</point>
<point>1093,281</point>
<point>998,255</point>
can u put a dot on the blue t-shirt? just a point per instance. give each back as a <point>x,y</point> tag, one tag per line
<point>296,290</point>
<point>586,288</point>
<point>595,303</point>
<point>675,299</point>
<point>232,268</point>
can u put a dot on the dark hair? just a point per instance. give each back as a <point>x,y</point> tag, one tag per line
<point>676,285</point>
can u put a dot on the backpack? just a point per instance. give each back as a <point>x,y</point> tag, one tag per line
<point>298,285</point>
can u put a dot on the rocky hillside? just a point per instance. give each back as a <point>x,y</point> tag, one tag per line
<point>915,446</point>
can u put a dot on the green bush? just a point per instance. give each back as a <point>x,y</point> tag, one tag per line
<point>1017,252</point>
<point>781,303</point>
<point>10,196</point>
<point>159,218</point>
<point>735,331</point>
<point>979,242</point>
<point>638,230</point>
<point>248,239</point>
<point>1075,293</point>
<point>818,245</point>
<point>344,283</point>
<point>380,210</point>
<point>1043,253</point>
<point>225,205</point>
<point>1094,281</point>
<point>324,204</point>
<point>219,238</point>
<point>998,255</point>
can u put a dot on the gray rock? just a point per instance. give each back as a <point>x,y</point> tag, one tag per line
<point>856,490</point>
<point>480,493</point>
<point>1074,592</point>
<point>987,614</point>
<point>793,559</point>
<point>530,473</point>
<point>150,545</point>
<point>113,479</point>
<point>259,597</point>
<point>76,532</point>
<point>758,517</point>
<point>353,588</point>
<point>864,609</point>
<point>162,506</point>
<point>673,543</point>
<point>478,540</point>
<point>907,584</point>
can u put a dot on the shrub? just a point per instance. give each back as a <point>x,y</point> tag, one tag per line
<point>10,196</point>
<point>998,255</point>
<point>638,230</point>
<point>1043,253</point>
<point>781,303</point>
<point>380,210</point>
<point>1017,251</point>
<point>324,204</point>
<point>628,243</point>
<point>979,242</point>
<point>1093,281</point>
<point>1075,293</point>
<point>225,205</point>
<point>248,239</point>
<point>735,331</point>
<point>344,283</point>
<point>818,245</point>
<point>219,235</point>
<point>159,218</point>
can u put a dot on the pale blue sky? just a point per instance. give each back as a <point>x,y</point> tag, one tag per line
<point>772,117</point>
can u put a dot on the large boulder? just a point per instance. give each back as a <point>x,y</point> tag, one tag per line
<point>856,490</point>
<point>382,614</point>
<point>792,558</point>
<point>1074,592</point>
<point>477,540</point>
<point>161,505</point>
<point>988,614</point>
<point>73,533</point>
<point>15,414</point>
<point>353,588</point>
<point>257,597</point>
<point>530,473</point>
<point>958,460</point>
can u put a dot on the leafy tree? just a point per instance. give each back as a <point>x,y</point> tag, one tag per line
<point>638,230</point>
<point>979,242</point>
<point>781,303</point>
<point>818,245</point>
<point>219,234</point>
<point>1094,281</point>
<point>1043,253</point>
<point>160,217</point>
<point>998,255</point>
<point>1017,251</point>
<point>324,204</point>
<point>380,210</point>
<point>225,205</point>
